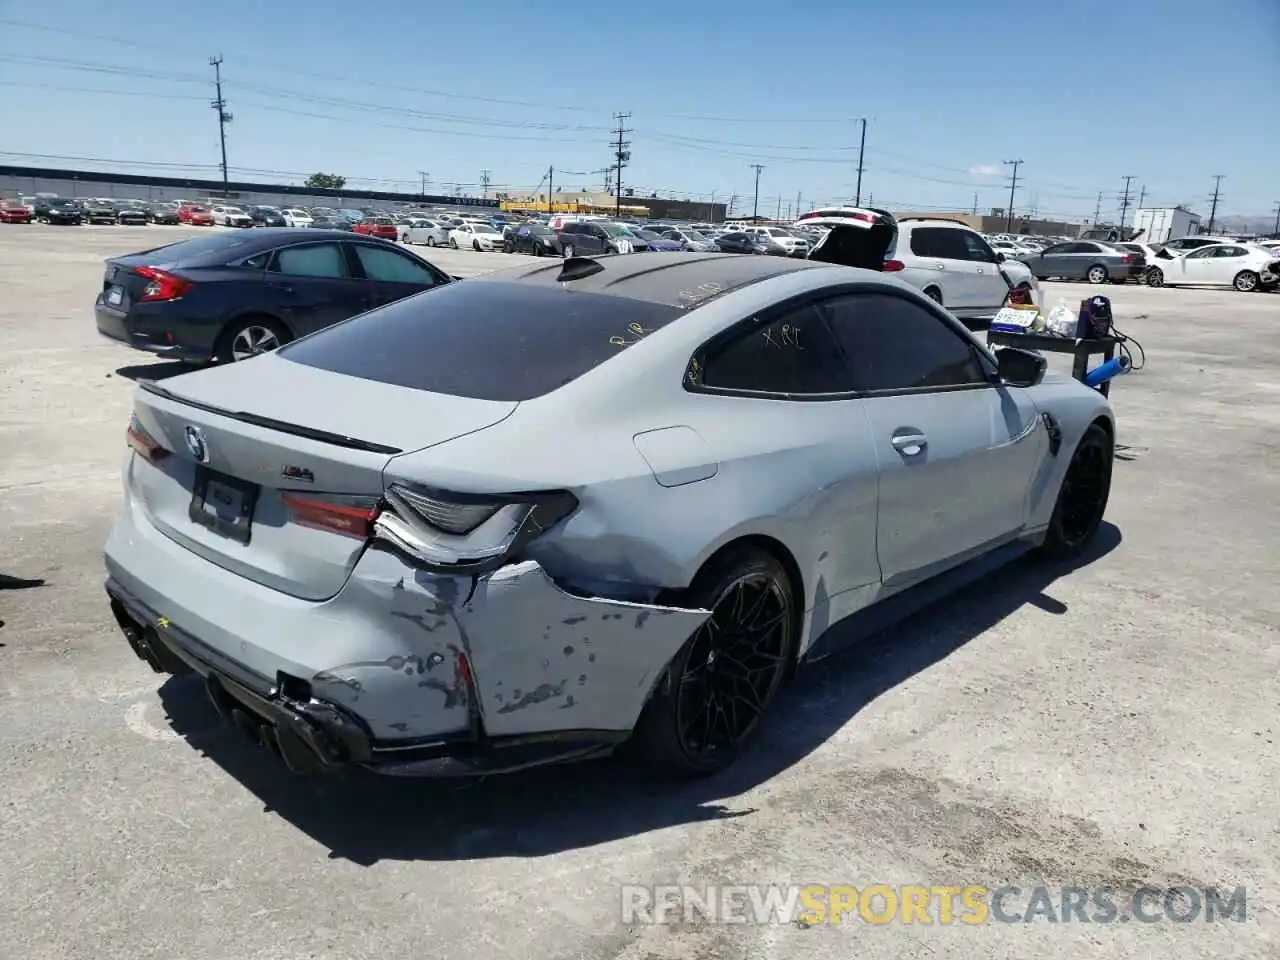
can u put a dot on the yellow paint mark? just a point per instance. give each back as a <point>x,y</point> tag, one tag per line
<point>162,622</point>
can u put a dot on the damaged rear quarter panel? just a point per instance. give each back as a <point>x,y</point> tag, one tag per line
<point>546,660</point>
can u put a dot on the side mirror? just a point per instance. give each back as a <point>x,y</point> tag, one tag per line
<point>1021,368</point>
<point>1001,258</point>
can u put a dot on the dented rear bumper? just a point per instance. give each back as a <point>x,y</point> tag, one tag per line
<point>404,671</point>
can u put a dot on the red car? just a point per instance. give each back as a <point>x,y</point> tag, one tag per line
<point>383,227</point>
<point>195,215</point>
<point>13,210</point>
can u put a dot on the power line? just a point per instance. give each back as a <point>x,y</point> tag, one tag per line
<point>1013,186</point>
<point>220,104</point>
<point>755,205</point>
<point>268,66</point>
<point>1124,201</point>
<point>1213,201</point>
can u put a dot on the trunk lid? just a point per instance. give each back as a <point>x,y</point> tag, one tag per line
<point>266,428</point>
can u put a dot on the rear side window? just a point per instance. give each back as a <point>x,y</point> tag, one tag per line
<point>312,260</point>
<point>185,251</point>
<point>485,339</point>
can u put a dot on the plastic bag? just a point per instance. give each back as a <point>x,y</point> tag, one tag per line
<point>1062,320</point>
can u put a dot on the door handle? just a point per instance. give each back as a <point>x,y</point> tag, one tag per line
<point>910,444</point>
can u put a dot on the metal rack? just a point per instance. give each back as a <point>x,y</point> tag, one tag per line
<point>1080,349</point>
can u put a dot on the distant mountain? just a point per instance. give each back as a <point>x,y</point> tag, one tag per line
<point>1250,223</point>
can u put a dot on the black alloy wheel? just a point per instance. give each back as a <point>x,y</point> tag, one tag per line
<point>718,687</point>
<point>1082,500</point>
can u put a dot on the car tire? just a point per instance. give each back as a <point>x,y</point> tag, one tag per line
<point>1082,498</point>
<point>934,294</point>
<point>240,336</point>
<point>453,243</point>
<point>1097,274</point>
<point>475,245</point>
<point>431,241</point>
<point>740,586</point>
<point>1155,277</point>
<point>568,250</point>
<point>1246,281</point>
<point>404,238</point>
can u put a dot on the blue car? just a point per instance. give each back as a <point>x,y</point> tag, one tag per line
<point>655,243</point>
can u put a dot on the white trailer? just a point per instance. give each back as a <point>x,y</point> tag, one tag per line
<point>1160,225</point>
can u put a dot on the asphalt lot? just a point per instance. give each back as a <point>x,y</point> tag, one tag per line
<point>1111,724</point>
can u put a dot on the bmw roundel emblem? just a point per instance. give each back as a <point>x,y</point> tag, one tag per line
<point>196,445</point>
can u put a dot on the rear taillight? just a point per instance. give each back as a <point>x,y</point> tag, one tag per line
<point>351,517</point>
<point>163,285</point>
<point>1131,258</point>
<point>893,266</point>
<point>142,443</point>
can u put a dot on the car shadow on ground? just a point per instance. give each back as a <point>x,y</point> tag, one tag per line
<point>365,818</point>
<point>158,370</point>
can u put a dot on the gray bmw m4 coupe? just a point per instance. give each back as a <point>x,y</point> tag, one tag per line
<point>534,514</point>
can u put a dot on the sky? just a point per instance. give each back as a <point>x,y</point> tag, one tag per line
<point>386,93</point>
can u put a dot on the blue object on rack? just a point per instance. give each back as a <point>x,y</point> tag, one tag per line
<point>1101,374</point>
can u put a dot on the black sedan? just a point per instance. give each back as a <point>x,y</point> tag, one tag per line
<point>166,213</point>
<point>233,295</point>
<point>335,222</point>
<point>743,243</point>
<point>100,211</point>
<point>536,239</point>
<point>266,217</point>
<point>132,215</point>
<point>59,210</point>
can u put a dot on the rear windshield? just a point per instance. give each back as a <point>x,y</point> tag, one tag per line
<point>485,339</point>
<point>186,250</point>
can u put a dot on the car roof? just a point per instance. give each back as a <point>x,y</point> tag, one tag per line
<point>677,280</point>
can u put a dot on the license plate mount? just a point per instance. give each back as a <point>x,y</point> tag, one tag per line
<point>223,504</point>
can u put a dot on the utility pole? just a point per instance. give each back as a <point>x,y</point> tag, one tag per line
<point>621,156</point>
<point>1276,228</point>
<point>224,118</point>
<point>1012,187</point>
<point>484,183</point>
<point>1124,202</point>
<point>975,203</point>
<point>733,202</point>
<point>1097,210</point>
<point>1142,195</point>
<point>425,177</point>
<point>797,205</point>
<point>862,146</point>
<point>755,205</point>
<point>551,189</point>
<point>1213,201</point>
<point>778,215</point>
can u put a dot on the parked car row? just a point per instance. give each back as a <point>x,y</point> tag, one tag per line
<point>1186,261</point>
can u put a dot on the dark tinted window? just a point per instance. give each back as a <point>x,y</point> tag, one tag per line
<point>490,340</point>
<point>939,242</point>
<point>894,344</point>
<point>789,354</point>
<point>212,245</point>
